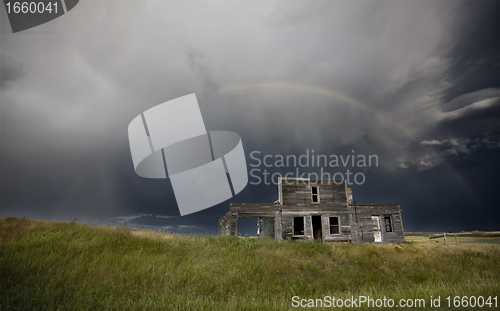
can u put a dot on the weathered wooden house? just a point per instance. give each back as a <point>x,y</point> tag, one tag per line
<point>318,209</point>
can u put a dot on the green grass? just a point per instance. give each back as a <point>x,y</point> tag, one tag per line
<point>67,266</point>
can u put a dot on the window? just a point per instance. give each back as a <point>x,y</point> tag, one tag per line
<point>315,194</point>
<point>334,225</point>
<point>388,224</point>
<point>298,225</point>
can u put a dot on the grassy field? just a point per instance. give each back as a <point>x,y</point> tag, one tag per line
<point>464,238</point>
<point>66,266</point>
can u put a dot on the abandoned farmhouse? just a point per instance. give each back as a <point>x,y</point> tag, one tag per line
<point>318,209</point>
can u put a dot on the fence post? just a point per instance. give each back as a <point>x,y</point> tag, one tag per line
<point>456,239</point>
<point>430,241</point>
<point>444,234</point>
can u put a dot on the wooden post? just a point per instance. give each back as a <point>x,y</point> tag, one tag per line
<point>430,241</point>
<point>456,239</point>
<point>444,234</point>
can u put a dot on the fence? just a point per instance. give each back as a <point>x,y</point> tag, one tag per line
<point>442,236</point>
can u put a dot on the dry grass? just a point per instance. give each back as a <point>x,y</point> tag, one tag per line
<point>464,238</point>
<point>66,266</point>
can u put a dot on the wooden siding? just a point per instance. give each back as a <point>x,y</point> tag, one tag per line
<point>335,200</point>
<point>364,213</point>
<point>344,226</point>
<point>298,192</point>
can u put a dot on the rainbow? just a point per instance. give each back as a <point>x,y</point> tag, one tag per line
<point>346,98</point>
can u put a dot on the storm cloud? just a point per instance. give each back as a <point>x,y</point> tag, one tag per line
<point>416,83</point>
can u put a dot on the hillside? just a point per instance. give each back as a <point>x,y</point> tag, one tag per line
<point>66,266</point>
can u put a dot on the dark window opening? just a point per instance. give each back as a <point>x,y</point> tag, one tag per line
<point>315,194</point>
<point>248,226</point>
<point>334,225</point>
<point>298,225</point>
<point>317,230</point>
<point>388,224</point>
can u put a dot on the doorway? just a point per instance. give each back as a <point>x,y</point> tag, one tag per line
<point>377,235</point>
<point>265,227</point>
<point>317,228</point>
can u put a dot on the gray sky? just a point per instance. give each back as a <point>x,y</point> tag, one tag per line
<point>415,82</point>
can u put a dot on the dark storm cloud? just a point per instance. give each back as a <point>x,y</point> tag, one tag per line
<point>470,124</point>
<point>468,118</point>
<point>470,98</point>
<point>197,62</point>
<point>10,70</point>
<point>475,52</point>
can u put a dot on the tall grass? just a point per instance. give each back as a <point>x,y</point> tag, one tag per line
<point>63,266</point>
